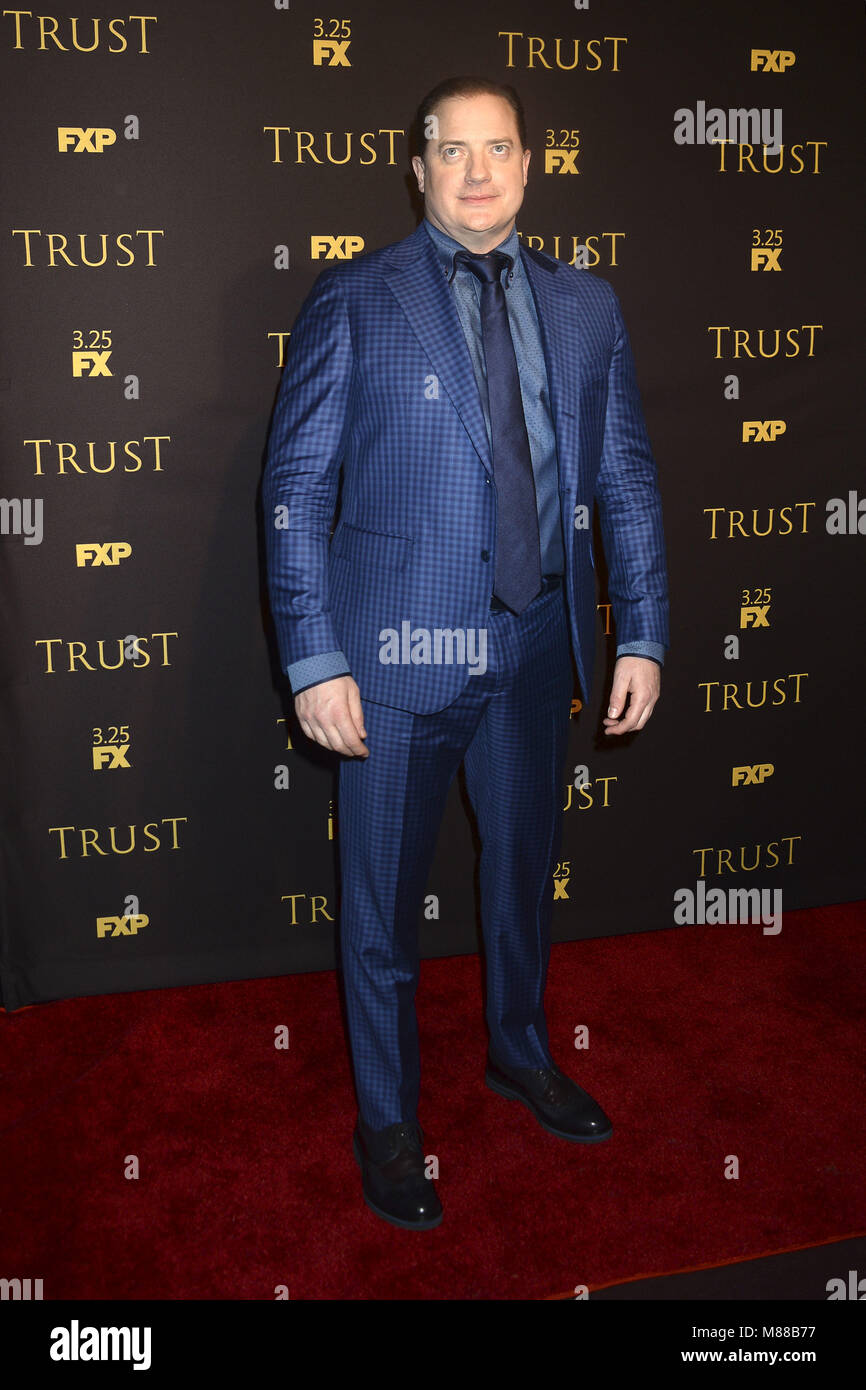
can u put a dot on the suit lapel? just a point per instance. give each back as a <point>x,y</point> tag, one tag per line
<point>416,280</point>
<point>415,277</point>
<point>557,320</point>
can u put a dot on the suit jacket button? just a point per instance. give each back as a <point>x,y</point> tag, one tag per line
<point>485,554</point>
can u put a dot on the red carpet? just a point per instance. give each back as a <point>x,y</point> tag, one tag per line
<point>705,1042</point>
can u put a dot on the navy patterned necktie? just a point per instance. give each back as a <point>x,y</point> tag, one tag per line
<point>517,571</point>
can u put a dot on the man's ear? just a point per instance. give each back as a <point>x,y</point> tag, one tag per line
<point>418,166</point>
<point>526,158</point>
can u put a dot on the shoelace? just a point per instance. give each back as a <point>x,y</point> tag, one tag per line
<point>408,1131</point>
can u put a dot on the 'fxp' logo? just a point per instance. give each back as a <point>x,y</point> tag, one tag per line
<point>84,140</point>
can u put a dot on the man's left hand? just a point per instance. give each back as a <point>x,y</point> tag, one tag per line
<point>639,678</point>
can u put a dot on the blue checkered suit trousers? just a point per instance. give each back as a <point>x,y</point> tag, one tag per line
<point>509,726</point>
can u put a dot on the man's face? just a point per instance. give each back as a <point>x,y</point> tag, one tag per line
<point>474,171</point>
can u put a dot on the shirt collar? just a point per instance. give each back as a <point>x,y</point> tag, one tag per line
<point>446,246</point>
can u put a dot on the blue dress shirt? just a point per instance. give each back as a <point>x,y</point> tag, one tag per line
<point>531,369</point>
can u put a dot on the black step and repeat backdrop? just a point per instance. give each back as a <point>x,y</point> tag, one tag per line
<point>175,180</point>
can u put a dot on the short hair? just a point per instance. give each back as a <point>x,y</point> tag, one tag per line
<point>464,87</point>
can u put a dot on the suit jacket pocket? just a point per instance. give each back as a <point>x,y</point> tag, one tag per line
<point>375,549</point>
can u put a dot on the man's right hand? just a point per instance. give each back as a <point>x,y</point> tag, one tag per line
<point>331,714</point>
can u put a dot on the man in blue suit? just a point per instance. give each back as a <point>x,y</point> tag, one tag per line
<point>475,398</point>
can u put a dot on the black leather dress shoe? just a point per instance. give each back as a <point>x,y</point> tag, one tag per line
<point>392,1175</point>
<point>557,1102</point>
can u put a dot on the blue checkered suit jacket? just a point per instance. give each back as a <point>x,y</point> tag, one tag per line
<point>378,389</point>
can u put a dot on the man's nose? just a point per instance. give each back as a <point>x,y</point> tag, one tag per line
<point>477,170</point>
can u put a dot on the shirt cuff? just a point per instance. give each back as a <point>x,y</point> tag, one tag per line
<point>312,670</point>
<point>654,650</point>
